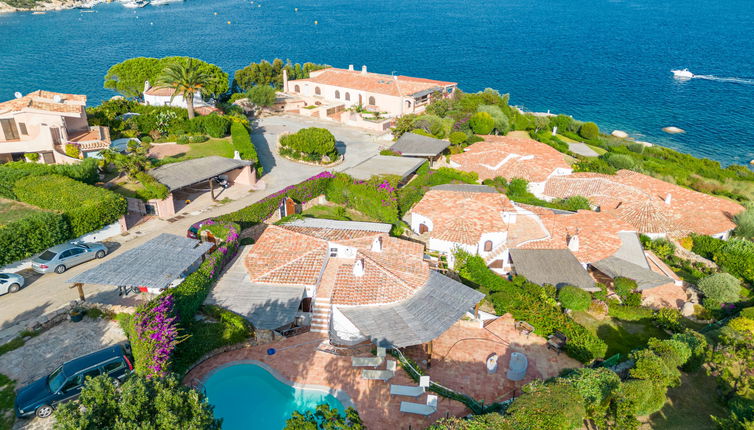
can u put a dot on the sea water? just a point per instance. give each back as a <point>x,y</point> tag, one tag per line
<point>607,61</point>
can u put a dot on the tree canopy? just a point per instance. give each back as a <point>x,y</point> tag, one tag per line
<point>325,418</point>
<point>128,77</point>
<point>140,403</point>
<point>266,73</point>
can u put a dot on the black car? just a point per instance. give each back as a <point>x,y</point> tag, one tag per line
<point>65,383</point>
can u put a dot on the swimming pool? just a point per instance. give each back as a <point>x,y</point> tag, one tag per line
<point>246,395</point>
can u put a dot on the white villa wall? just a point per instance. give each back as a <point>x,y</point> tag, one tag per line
<point>417,219</point>
<point>178,101</point>
<point>344,328</point>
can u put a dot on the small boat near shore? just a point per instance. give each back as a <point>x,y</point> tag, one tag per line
<point>163,2</point>
<point>133,4</point>
<point>682,74</point>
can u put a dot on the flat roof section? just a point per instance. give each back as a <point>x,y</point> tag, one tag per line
<point>384,165</point>
<point>184,173</point>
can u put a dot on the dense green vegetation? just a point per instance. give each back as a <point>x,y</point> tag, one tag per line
<point>517,190</point>
<point>266,73</point>
<point>243,144</point>
<point>325,418</point>
<point>309,144</point>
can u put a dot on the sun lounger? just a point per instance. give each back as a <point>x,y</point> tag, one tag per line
<point>419,409</point>
<point>391,365</point>
<point>366,361</point>
<point>382,375</point>
<point>406,390</point>
<point>381,351</point>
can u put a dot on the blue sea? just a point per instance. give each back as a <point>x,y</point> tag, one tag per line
<point>608,61</point>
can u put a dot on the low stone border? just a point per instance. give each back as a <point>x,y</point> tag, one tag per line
<point>341,395</point>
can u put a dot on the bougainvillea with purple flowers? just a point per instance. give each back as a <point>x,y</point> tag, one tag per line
<point>156,328</point>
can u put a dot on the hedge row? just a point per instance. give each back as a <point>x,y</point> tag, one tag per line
<point>10,173</point>
<point>25,237</point>
<point>153,189</point>
<point>734,256</point>
<point>263,209</point>
<point>532,303</point>
<point>243,144</point>
<point>85,208</point>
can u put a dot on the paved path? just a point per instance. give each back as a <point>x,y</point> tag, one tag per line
<point>582,149</point>
<point>50,292</point>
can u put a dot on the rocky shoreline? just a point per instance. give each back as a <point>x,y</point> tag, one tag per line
<point>49,5</point>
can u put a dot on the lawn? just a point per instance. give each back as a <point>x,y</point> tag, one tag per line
<point>7,397</point>
<point>222,147</point>
<point>127,189</point>
<point>596,149</point>
<point>11,211</point>
<point>689,405</point>
<point>336,212</point>
<point>620,336</point>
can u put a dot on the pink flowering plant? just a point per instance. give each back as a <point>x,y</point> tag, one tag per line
<point>157,335</point>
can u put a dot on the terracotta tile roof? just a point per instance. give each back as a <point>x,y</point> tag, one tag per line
<point>282,256</point>
<point>332,234</point>
<point>44,100</point>
<point>160,91</point>
<point>640,200</point>
<point>597,233</point>
<point>510,157</point>
<point>463,216</point>
<point>373,82</point>
<point>391,275</point>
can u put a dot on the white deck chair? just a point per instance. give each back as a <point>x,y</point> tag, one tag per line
<point>406,390</point>
<point>391,365</point>
<point>417,408</point>
<point>366,361</point>
<point>381,351</point>
<point>382,375</point>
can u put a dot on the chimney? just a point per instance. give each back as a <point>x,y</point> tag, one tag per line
<point>573,242</point>
<point>285,80</point>
<point>358,267</point>
<point>364,70</point>
<point>350,67</point>
<point>377,244</point>
<point>147,86</point>
<point>668,198</point>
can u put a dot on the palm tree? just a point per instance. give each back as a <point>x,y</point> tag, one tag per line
<point>186,79</point>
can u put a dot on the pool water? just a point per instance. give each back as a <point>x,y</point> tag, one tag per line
<point>247,396</point>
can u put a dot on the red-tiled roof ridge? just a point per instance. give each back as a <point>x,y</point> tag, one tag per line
<point>402,77</point>
<point>266,252</point>
<point>43,100</point>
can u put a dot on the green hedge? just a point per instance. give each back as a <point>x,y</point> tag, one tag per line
<point>245,147</point>
<point>375,198</point>
<point>310,140</point>
<point>263,209</point>
<point>574,298</point>
<point>152,188</point>
<point>734,256</point>
<point>410,194</point>
<point>628,313</point>
<point>86,208</point>
<point>86,172</point>
<point>532,303</point>
<point>34,233</point>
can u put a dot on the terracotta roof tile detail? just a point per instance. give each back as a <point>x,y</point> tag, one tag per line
<point>373,82</point>
<point>44,100</point>
<point>640,200</point>
<point>510,157</point>
<point>282,256</point>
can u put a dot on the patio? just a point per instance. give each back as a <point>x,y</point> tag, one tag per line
<point>459,356</point>
<point>299,360</point>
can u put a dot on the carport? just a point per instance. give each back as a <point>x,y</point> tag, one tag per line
<point>385,165</point>
<point>153,265</point>
<point>416,145</point>
<point>186,174</point>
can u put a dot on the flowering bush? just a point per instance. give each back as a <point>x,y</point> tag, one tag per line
<point>376,197</point>
<point>156,332</point>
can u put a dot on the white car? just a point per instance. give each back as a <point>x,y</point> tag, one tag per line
<point>10,282</point>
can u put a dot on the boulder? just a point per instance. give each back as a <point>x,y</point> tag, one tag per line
<point>688,309</point>
<point>620,134</point>
<point>673,130</point>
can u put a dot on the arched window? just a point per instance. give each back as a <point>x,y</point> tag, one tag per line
<point>408,103</point>
<point>371,101</point>
<point>317,91</point>
<point>488,246</point>
<point>423,228</point>
<point>348,97</point>
<point>337,94</point>
<point>297,89</point>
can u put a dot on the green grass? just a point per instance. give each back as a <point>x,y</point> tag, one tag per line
<point>7,397</point>
<point>222,147</point>
<point>11,211</point>
<point>620,336</point>
<point>127,189</point>
<point>336,213</point>
<point>689,405</point>
<point>596,149</point>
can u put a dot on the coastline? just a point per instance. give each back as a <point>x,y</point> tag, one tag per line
<point>51,5</point>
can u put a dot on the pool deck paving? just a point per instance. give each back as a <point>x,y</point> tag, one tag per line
<point>298,360</point>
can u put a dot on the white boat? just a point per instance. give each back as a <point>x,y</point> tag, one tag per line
<point>133,4</point>
<point>685,74</point>
<point>162,2</point>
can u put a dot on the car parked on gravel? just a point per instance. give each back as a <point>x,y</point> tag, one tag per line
<point>60,258</point>
<point>65,383</point>
<point>10,282</point>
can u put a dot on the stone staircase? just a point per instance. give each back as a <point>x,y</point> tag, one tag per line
<point>321,315</point>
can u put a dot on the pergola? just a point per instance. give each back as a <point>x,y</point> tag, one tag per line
<point>191,172</point>
<point>154,264</point>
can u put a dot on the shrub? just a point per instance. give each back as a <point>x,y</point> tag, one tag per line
<point>85,171</point>
<point>744,224</point>
<point>156,337</point>
<point>375,198</point>
<point>686,242</point>
<point>32,156</point>
<point>242,143</point>
<point>457,137</point>
<point>550,406</point>
<point>200,138</point>
<point>214,125</point>
<point>620,161</point>
<point>153,189</point>
<point>721,287</point>
<point>562,122</point>
<point>669,319</point>
<point>602,293</point>
<point>596,165</point>
<point>146,139</point>
<point>624,286</point>
<point>85,208</point>
<point>500,121</point>
<point>574,298</point>
<point>737,257</point>
<point>310,140</point>
<point>697,345</point>
<point>589,131</point>
<point>72,150</point>
<point>628,313</point>
<point>575,203</point>
<point>262,95</point>
<point>644,396</point>
<point>31,234</point>
<point>182,140</point>
<point>707,246</point>
<point>482,123</point>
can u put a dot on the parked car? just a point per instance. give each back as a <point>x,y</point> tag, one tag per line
<point>60,258</point>
<point>64,383</point>
<point>193,231</point>
<point>10,282</point>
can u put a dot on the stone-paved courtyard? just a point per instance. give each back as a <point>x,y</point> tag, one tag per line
<point>42,354</point>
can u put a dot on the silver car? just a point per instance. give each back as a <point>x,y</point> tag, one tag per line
<point>60,258</point>
<point>10,282</point>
